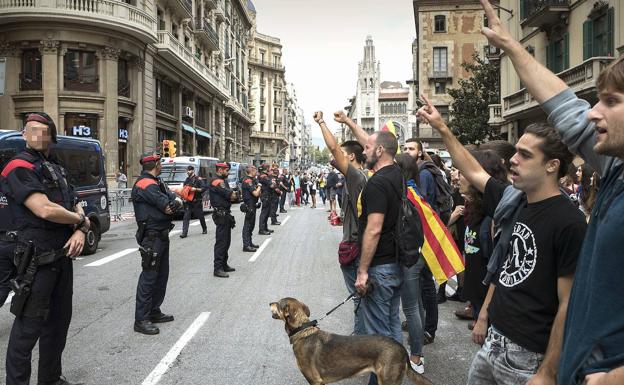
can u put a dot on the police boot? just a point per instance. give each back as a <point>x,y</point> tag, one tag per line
<point>60,381</point>
<point>255,246</point>
<point>221,274</point>
<point>248,249</point>
<point>264,232</point>
<point>276,223</point>
<point>228,269</point>
<point>145,327</point>
<point>160,317</point>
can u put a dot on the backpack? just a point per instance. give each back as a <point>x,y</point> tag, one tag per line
<point>444,192</point>
<point>408,234</point>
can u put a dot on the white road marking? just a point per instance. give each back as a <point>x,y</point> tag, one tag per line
<point>175,351</point>
<point>111,258</point>
<point>259,251</point>
<point>285,220</point>
<point>8,300</point>
<point>175,232</point>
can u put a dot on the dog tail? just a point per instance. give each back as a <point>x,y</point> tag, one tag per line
<point>417,378</point>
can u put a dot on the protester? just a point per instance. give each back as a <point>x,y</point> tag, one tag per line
<point>332,180</point>
<point>593,348</point>
<point>312,188</point>
<point>533,262</point>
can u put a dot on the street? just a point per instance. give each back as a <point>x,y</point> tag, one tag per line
<point>223,332</point>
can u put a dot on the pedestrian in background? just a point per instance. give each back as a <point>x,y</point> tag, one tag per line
<point>194,207</point>
<point>122,179</point>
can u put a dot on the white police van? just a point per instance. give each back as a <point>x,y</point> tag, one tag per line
<point>174,172</point>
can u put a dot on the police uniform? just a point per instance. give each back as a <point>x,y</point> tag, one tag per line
<point>221,201</point>
<point>250,201</point>
<point>265,197</point>
<point>44,283</point>
<point>284,181</point>
<point>275,197</point>
<point>194,207</point>
<point>7,245</point>
<point>151,198</point>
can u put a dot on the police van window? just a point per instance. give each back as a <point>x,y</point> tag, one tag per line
<point>83,166</point>
<point>9,148</point>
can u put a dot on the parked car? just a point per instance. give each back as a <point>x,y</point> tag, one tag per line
<point>84,161</point>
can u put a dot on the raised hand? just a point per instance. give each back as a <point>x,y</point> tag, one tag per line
<point>340,116</point>
<point>318,116</point>
<point>431,115</point>
<point>496,34</point>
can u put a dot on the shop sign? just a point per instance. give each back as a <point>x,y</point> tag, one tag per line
<point>123,135</point>
<point>82,131</point>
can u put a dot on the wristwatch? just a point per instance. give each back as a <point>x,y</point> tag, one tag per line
<point>82,225</point>
<point>321,122</point>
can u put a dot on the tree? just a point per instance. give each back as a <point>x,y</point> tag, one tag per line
<point>321,156</point>
<point>470,107</point>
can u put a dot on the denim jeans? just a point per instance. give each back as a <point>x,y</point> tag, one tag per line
<point>502,362</point>
<point>411,299</point>
<point>379,309</point>
<point>349,272</point>
<point>430,301</point>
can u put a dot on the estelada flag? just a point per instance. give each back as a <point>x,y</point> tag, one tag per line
<point>440,251</point>
<point>389,126</point>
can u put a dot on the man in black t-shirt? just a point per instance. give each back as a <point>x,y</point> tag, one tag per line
<point>540,233</point>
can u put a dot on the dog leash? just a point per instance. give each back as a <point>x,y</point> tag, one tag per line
<point>349,298</point>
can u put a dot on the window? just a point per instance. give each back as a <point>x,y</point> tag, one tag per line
<point>174,30</point>
<point>440,87</point>
<point>81,72</point>
<point>261,126</point>
<point>368,111</point>
<point>160,15</point>
<point>123,80</point>
<point>262,57</point>
<point>82,165</point>
<point>164,97</point>
<point>440,59</point>
<point>557,52</point>
<point>81,125</point>
<point>30,78</point>
<point>439,23</point>
<point>598,33</point>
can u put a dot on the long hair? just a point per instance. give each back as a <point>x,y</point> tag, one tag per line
<point>492,163</point>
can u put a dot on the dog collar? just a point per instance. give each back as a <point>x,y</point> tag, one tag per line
<point>306,325</point>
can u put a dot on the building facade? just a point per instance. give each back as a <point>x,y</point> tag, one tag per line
<point>130,74</point>
<point>365,108</point>
<point>448,34</point>
<point>269,134</point>
<point>576,39</point>
<point>393,107</point>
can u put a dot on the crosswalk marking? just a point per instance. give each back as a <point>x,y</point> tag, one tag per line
<point>259,251</point>
<point>111,258</point>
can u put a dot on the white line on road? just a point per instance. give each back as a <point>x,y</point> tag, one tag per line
<point>171,356</point>
<point>174,232</point>
<point>285,220</point>
<point>259,251</point>
<point>8,300</point>
<point>110,258</point>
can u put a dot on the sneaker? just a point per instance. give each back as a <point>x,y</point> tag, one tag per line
<point>418,368</point>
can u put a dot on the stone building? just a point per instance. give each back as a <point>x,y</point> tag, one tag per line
<point>365,107</point>
<point>575,39</point>
<point>448,33</point>
<point>393,106</point>
<point>130,74</point>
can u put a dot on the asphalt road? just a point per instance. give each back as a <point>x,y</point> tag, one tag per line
<point>223,333</point>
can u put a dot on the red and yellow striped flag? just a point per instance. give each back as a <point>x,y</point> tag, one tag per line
<point>389,126</point>
<point>440,251</point>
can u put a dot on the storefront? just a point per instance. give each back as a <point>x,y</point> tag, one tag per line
<point>122,138</point>
<point>187,139</point>
<point>203,142</point>
<point>82,125</point>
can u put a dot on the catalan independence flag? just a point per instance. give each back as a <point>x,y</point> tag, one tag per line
<point>440,251</point>
<point>389,126</point>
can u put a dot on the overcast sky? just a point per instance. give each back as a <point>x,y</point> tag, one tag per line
<point>323,41</point>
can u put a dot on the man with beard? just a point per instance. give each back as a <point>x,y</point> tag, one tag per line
<point>593,344</point>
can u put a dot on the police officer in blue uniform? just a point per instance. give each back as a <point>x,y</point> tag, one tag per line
<point>154,206</point>
<point>194,207</point>
<point>221,198</point>
<point>275,195</point>
<point>48,232</point>
<point>267,186</point>
<point>251,191</point>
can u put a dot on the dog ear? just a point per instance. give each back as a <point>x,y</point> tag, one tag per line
<point>306,309</point>
<point>285,310</point>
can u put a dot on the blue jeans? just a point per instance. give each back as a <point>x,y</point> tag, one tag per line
<point>502,362</point>
<point>349,272</point>
<point>411,299</point>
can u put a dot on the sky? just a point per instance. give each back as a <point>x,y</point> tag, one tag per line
<point>323,41</point>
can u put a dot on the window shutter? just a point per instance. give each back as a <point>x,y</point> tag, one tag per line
<point>610,32</point>
<point>566,52</point>
<point>588,37</point>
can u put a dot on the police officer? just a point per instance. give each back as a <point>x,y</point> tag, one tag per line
<point>275,195</point>
<point>49,230</point>
<point>154,206</point>
<point>284,184</point>
<point>251,191</point>
<point>195,206</point>
<point>221,198</point>
<point>265,197</point>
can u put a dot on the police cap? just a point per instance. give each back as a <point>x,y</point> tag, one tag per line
<point>149,157</point>
<point>42,117</point>
<point>223,165</point>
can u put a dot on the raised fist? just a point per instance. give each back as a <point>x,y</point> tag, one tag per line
<point>340,116</point>
<point>318,116</point>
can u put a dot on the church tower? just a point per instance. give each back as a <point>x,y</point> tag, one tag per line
<point>367,95</point>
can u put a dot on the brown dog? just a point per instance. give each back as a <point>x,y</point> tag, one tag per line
<point>324,358</point>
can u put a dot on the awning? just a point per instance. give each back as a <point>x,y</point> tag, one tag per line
<point>188,128</point>
<point>204,134</point>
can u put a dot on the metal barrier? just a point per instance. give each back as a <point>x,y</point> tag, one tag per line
<point>121,207</point>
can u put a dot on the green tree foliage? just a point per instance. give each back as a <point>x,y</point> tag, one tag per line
<point>470,112</point>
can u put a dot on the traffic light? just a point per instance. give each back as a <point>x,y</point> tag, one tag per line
<point>172,148</point>
<point>166,148</point>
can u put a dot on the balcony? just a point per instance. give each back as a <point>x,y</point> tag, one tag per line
<point>265,64</point>
<point>184,60</point>
<point>82,83</point>
<point>30,82</point>
<point>277,119</point>
<point>181,7</point>
<point>206,33</point>
<point>123,89</point>
<point>581,80</point>
<point>496,115</point>
<point>445,74</point>
<point>165,106</point>
<point>540,13</point>
<point>268,135</point>
<point>97,14</point>
<point>219,13</point>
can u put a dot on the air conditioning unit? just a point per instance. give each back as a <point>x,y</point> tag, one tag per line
<point>187,112</point>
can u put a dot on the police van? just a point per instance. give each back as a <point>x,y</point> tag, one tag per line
<point>84,161</point>
<point>174,172</point>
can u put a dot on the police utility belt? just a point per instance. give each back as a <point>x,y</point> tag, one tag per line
<point>223,217</point>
